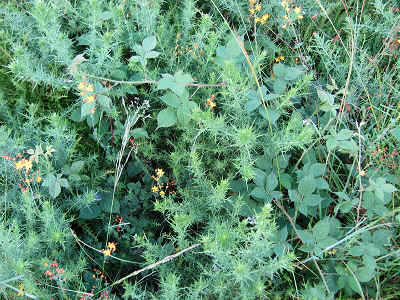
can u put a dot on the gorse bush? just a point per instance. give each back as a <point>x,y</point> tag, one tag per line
<point>199,149</point>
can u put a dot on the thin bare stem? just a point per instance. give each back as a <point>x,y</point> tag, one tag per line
<point>11,279</point>
<point>79,241</point>
<point>346,238</point>
<point>21,292</point>
<point>360,172</point>
<point>289,218</point>
<point>68,290</point>
<point>139,82</point>
<point>356,280</point>
<point>156,264</point>
<point>322,276</point>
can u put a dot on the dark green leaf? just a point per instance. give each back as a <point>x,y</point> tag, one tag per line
<point>259,177</point>
<point>258,193</point>
<point>279,70</point>
<point>77,166</point>
<point>172,99</point>
<point>307,186</point>
<point>286,181</point>
<point>104,101</point>
<point>321,229</point>
<point>139,132</point>
<point>166,118</point>
<point>271,182</point>
<point>151,54</point>
<point>149,43</point>
<point>306,236</point>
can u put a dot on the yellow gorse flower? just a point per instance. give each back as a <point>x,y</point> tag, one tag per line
<point>21,288</point>
<point>82,85</point>
<point>90,98</point>
<point>90,88</point>
<point>160,172</point>
<point>265,18</point>
<point>112,246</point>
<point>23,163</point>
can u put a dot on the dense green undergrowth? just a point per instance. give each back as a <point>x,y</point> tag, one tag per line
<point>199,149</point>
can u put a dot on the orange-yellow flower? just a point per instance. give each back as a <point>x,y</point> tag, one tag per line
<point>160,172</point>
<point>19,165</point>
<point>82,85</point>
<point>162,193</point>
<point>112,246</point>
<point>106,252</point>
<point>28,164</point>
<point>154,189</point>
<point>23,163</point>
<point>21,288</point>
<point>38,179</point>
<point>91,98</point>
<point>258,7</point>
<point>264,18</point>
<point>90,88</point>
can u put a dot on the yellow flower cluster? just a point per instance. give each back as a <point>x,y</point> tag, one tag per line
<point>86,88</point>
<point>162,187</point>
<point>288,8</point>
<point>210,102</point>
<point>160,173</point>
<point>111,247</point>
<point>263,19</point>
<point>23,163</point>
<point>254,8</point>
<point>194,50</point>
<point>21,290</point>
<point>279,58</point>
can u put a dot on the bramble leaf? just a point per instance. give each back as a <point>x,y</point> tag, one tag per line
<point>149,43</point>
<point>166,118</point>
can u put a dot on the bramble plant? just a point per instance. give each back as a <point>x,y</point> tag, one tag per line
<point>223,149</point>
